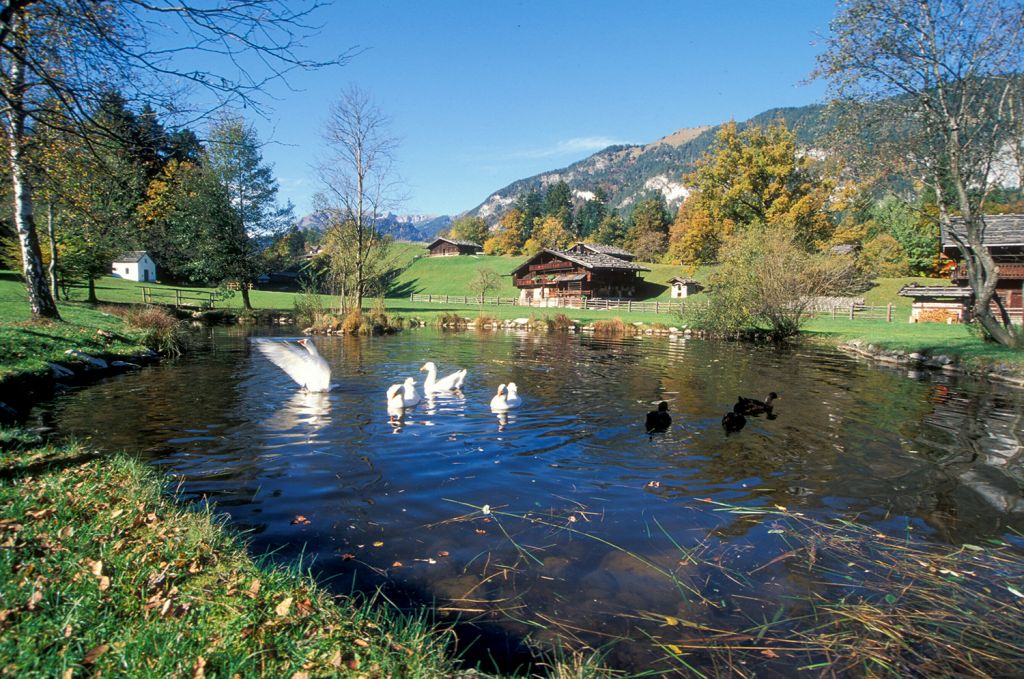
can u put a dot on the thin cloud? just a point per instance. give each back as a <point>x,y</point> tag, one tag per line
<point>574,146</point>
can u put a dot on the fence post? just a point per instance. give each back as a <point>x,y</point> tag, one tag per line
<point>851,311</point>
<point>657,307</point>
<point>629,305</point>
<point>177,298</point>
<point>411,295</point>
<point>888,313</point>
<point>430,298</point>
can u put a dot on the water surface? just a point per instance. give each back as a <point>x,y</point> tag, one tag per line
<point>589,521</point>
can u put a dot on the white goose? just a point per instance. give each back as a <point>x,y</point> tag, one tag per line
<point>308,368</point>
<point>512,395</point>
<point>401,396</point>
<point>432,385</point>
<point>505,399</point>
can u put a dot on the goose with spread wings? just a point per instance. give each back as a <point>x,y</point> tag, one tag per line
<point>306,366</point>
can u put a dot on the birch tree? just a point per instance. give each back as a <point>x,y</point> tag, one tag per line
<point>360,187</point>
<point>935,82</point>
<point>58,57</point>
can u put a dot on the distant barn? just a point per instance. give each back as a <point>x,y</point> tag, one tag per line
<point>447,247</point>
<point>136,265</point>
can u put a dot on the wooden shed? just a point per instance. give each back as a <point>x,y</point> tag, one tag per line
<point>684,287</point>
<point>938,303</point>
<point>447,247</point>
<point>556,278</point>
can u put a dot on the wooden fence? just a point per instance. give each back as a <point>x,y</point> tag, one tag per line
<point>853,311</point>
<point>178,297</point>
<point>554,303</point>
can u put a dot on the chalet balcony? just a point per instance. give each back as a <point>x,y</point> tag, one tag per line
<point>551,266</point>
<point>1006,272</point>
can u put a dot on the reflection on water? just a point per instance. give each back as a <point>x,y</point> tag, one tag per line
<point>590,523</point>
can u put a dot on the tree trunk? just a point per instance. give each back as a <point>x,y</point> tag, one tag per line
<point>92,291</point>
<point>246,304</point>
<point>53,249</point>
<point>40,298</point>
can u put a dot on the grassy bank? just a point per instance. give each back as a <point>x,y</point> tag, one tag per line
<point>27,346</point>
<point>102,575</point>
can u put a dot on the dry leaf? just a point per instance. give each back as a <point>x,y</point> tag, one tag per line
<point>347,556</point>
<point>37,596</point>
<point>300,675</point>
<point>254,588</point>
<point>66,532</point>
<point>283,607</point>
<point>116,513</point>
<point>95,653</point>
<point>361,642</point>
<point>69,673</point>
<point>443,554</point>
<point>336,659</point>
<point>96,567</point>
<point>378,543</point>
<point>198,668</point>
<point>300,520</point>
<point>769,653</point>
<point>397,564</point>
<point>104,583</point>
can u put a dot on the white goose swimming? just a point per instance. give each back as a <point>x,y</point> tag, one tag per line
<point>432,385</point>
<point>401,396</point>
<point>506,398</point>
<point>308,368</point>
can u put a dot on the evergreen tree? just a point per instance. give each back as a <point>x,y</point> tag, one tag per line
<point>591,214</point>
<point>235,159</point>
<point>648,229</point>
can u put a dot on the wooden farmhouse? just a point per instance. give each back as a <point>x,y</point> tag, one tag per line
<point>447,247</point>
<point>595,249</point>
<point>557,278</point>
<point>684,287</point>
<point>1004,239</point>
<point>136,265</point>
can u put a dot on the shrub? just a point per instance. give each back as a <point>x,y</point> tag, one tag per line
<point>309,306</point>
<point>160,329</point>
<point>562,322</point>
<point>613,326</point>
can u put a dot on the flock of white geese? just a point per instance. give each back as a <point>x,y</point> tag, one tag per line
<point>312,372</point>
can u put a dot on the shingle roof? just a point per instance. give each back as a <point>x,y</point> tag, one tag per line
<point>467,243</point>
<point>684,281</point>
<point>131,257</point>
<point>588,261</point>
<point>606,249</point>
<point>915,290</point>
<point>1000,230</point>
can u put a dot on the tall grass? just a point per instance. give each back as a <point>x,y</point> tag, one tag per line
<point>161,330</point>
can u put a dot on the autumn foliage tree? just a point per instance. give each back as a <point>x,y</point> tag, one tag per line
<point>754,176</point>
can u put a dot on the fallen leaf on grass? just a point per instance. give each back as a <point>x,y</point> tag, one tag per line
<point>198,668</point>
<point>283,607</point>
<point>96,567</point>
<point>116,513</point>
<point>39,514</point>
<point>33,601</point>
<point>104,583</point>
<point>94,654</point>
<point>254,588</point>
<point>361,642</point>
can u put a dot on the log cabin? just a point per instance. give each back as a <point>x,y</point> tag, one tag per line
<point>557,278</point>
<point>448,247</point>
<point>1004,238</point>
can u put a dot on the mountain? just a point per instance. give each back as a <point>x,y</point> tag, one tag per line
<point>631,172</point>
<point>419,228</point>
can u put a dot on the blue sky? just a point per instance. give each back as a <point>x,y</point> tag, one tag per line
<point>483,93</point>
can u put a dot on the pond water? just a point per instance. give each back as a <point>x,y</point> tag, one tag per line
<point>594,532</point>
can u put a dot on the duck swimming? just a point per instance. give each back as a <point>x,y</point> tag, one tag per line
<point>752,406</point>
<point>733,421</point>
<point>658,420</point>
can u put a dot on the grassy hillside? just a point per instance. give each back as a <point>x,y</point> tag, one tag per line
<point>453,275</point>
